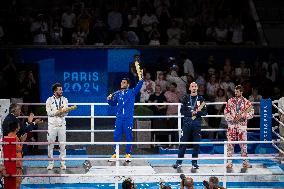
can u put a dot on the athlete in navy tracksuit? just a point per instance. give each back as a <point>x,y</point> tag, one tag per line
<point>124,100</point>
<point>191,130</point>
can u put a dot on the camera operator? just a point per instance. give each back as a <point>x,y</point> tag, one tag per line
<point>186,182</point>
<point>212,184</point>
<point>128,184</point>
<point>163,186</point>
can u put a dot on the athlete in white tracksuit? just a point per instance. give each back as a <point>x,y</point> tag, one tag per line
<point>56,108</point>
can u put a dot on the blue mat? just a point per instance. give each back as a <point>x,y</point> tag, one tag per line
<point>72,163</point>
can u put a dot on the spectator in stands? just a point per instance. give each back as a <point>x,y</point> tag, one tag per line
<point>134,20</point>
<point>228,86</point>
<point>210,67</point>
<point>200,79</point>
<point>98,34</point>
<point>212,87</point>
<point>255,97</point>
<point>39,29</point>
<point>219,109</point>
<point>242,72</point>
<point>30,87</point>
<point>14,128</point>
<point>154,36</point>
<point>115,20</point>
<point>237,32</point>
<point>174,34</point>
<point>158,3</point>
<point>187,65</point>
<point>148,88</point>
<point>56,34</point>
<point>84,20</point>
<point>133,39</point>
<point>272,68</point>
<point>221,33</point>
<point>181,82</point>
<point>79,37</point>
<point>161,81</point>
<point>117,40</point>
<point>68,21</point>
<point>227,69</point>
<point>21,85</point>
<point>147,23</point>
<point>172,96</point>
<point>158,97</point>
<point>164,18</point>
<point>276,93</point>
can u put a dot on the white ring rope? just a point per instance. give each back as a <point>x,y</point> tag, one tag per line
<point>138,143</point>
<point>139,174</point>
<point>137,130</point>
<point>135,158</point>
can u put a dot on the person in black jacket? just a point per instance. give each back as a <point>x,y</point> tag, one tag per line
<point>192,108</point>
<point>12,117</point>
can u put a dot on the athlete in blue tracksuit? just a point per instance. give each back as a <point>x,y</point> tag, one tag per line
<point>191,129</point>
<point>124,100</point>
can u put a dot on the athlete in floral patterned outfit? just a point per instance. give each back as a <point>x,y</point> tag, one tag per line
<point>238,110</point>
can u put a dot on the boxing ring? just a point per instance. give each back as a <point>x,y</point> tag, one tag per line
<point>94,171</point>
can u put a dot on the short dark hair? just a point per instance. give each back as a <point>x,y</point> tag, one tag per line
<point>13,126</point>
<point>127,184</point>
<point>174,84</point>
<point>126,79</point>
<point>214,180</point>
<point>13,107</point>
<point>55,86</point>
<point>240,88</point>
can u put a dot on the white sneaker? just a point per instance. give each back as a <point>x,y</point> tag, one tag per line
<point>50,166</point>
<point>62,166</point>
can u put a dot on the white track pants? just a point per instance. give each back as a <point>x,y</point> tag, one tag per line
<point>53,132</point>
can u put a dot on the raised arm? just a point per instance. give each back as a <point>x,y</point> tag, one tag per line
<point>138,86</point>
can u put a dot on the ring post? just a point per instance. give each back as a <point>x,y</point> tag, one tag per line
<point>179,122</point>
<point>92,122</point>
<point>9,151</point>
<point>225,163</point>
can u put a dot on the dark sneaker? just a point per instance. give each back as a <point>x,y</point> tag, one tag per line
<point>195,166</point>
<point>176,166</point>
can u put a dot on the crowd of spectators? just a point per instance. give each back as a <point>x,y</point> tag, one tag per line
<point>18,82</point>
<point>124,22</point>
<point>260,79</point>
